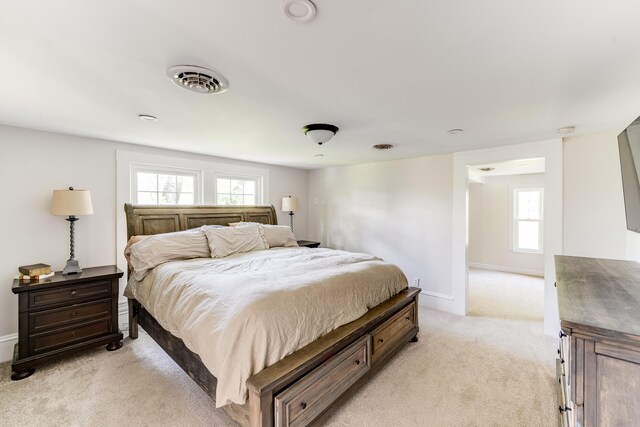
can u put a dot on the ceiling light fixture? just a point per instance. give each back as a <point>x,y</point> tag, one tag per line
<point>299,10</point>
<point>147,117</point>
<point>382,146</point>
<point>454,131</point>
<point>565,130</point>
<point>320,132</point>
<point>198,79</point>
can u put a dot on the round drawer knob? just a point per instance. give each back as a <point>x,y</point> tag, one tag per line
<point>408,318</point>
<point>73,333</point>
<point>303,405</point>
<point>357,362</point>
<point>381,340</point>
<point>74,293</point>
<point>73,314</point>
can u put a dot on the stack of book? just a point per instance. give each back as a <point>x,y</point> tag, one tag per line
<point>34,273</point>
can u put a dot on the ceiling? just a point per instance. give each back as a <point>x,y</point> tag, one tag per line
<point>384,72</point>
<point>511,167</point>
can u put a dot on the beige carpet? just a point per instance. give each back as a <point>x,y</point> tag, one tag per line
<point>492,368</point>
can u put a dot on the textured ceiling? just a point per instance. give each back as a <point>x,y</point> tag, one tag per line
<point>384,72</point>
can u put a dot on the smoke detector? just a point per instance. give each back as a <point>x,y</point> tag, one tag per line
<point>299,10</point>
<point>198,79</point>
<point>382,146</point>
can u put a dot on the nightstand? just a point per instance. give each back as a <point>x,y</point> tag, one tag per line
<point>308,243</point>
<point>65,314</point>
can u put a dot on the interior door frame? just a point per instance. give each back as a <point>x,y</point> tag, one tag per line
<point>551,151</point>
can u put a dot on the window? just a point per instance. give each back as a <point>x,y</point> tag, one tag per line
<point>165,186</point>
<point>238,190</point>
<point>527,223</point>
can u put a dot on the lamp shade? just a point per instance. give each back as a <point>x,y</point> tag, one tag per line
<point>289,204</point>
<point>71,202</point>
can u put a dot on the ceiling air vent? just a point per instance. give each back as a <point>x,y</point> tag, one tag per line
<point>382,147</point>
<point>198,79</point>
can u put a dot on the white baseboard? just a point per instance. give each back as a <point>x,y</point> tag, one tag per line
<point>8,341</point>
<point>6,347</point>
<point>123,315</point>
<point>517,270</point>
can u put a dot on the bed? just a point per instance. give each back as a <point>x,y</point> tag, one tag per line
<point>306,385</point>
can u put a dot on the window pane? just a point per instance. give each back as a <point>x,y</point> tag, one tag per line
<point>236,186</point>
<point>223,199</point>
<point>147,181</point>
<point>185,184</point>
<point>147,198</point>
<point>528,204</point>
<point>167,199</point>
<point>250,187</point>
<point>167,183</point>
<point>224,185</point>
<point>185,198</point>
<point>236,199</point>
<point>528,235</point>
<point>249,200</point>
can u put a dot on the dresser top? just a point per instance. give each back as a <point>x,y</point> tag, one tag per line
<point>58,279</point>
<point>599,296</point>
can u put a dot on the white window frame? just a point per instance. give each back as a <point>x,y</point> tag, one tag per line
<point>159,169</point>
<point>224,175</point>
<point>515,220</point>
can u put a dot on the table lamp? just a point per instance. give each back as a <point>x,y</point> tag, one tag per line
<point>290,204</point>
<point>71,203</point>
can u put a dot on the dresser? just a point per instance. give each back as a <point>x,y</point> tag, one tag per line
<point>65,314</point>
<point>598,365</point>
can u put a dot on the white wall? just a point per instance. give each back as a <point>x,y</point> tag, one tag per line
<point>398,210</point>
<point>33,163</point>
<point>594,219</point>
<point>491,227</point>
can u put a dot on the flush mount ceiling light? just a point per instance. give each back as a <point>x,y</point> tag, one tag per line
<point>454,131</point>
<point>565,130</point>
<point>147,117</point>
<point>382,146</point>
<point>320,132</point>
<point>299,10</point>
<point>198,79</point>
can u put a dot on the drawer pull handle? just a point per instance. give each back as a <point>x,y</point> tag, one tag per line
<point>303,405</point>
<point>73,313</point>
<point>74,293</point>
<point>357,362</point>
<point>380,340</point>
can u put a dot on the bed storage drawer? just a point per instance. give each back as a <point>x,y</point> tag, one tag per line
<point>302,402</point>
<point>389,332</point>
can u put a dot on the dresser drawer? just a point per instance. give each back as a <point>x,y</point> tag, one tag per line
<point>47,341</point>
<point>69,294</point>
<point>302,402</point>
<point>391,331</point>
<point>57,317</point>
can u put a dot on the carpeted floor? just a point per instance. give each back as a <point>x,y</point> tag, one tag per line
<point>491,368</point>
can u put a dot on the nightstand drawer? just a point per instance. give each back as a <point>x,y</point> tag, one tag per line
<point>48,341</point>
<point>69,294</point>
<point>42,320</point>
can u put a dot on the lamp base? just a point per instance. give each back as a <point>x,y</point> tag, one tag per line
<point>72,267</point>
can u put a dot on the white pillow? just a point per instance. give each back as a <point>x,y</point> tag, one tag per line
<point>235,240</point>
<point>159,248</point>
<point>275,235</point>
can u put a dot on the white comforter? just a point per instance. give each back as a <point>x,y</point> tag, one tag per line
<point>245,312</point>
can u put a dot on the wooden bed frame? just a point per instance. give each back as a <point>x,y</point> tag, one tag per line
<point>304,387</point>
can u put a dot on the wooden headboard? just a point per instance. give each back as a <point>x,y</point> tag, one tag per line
<point>145,219</point>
